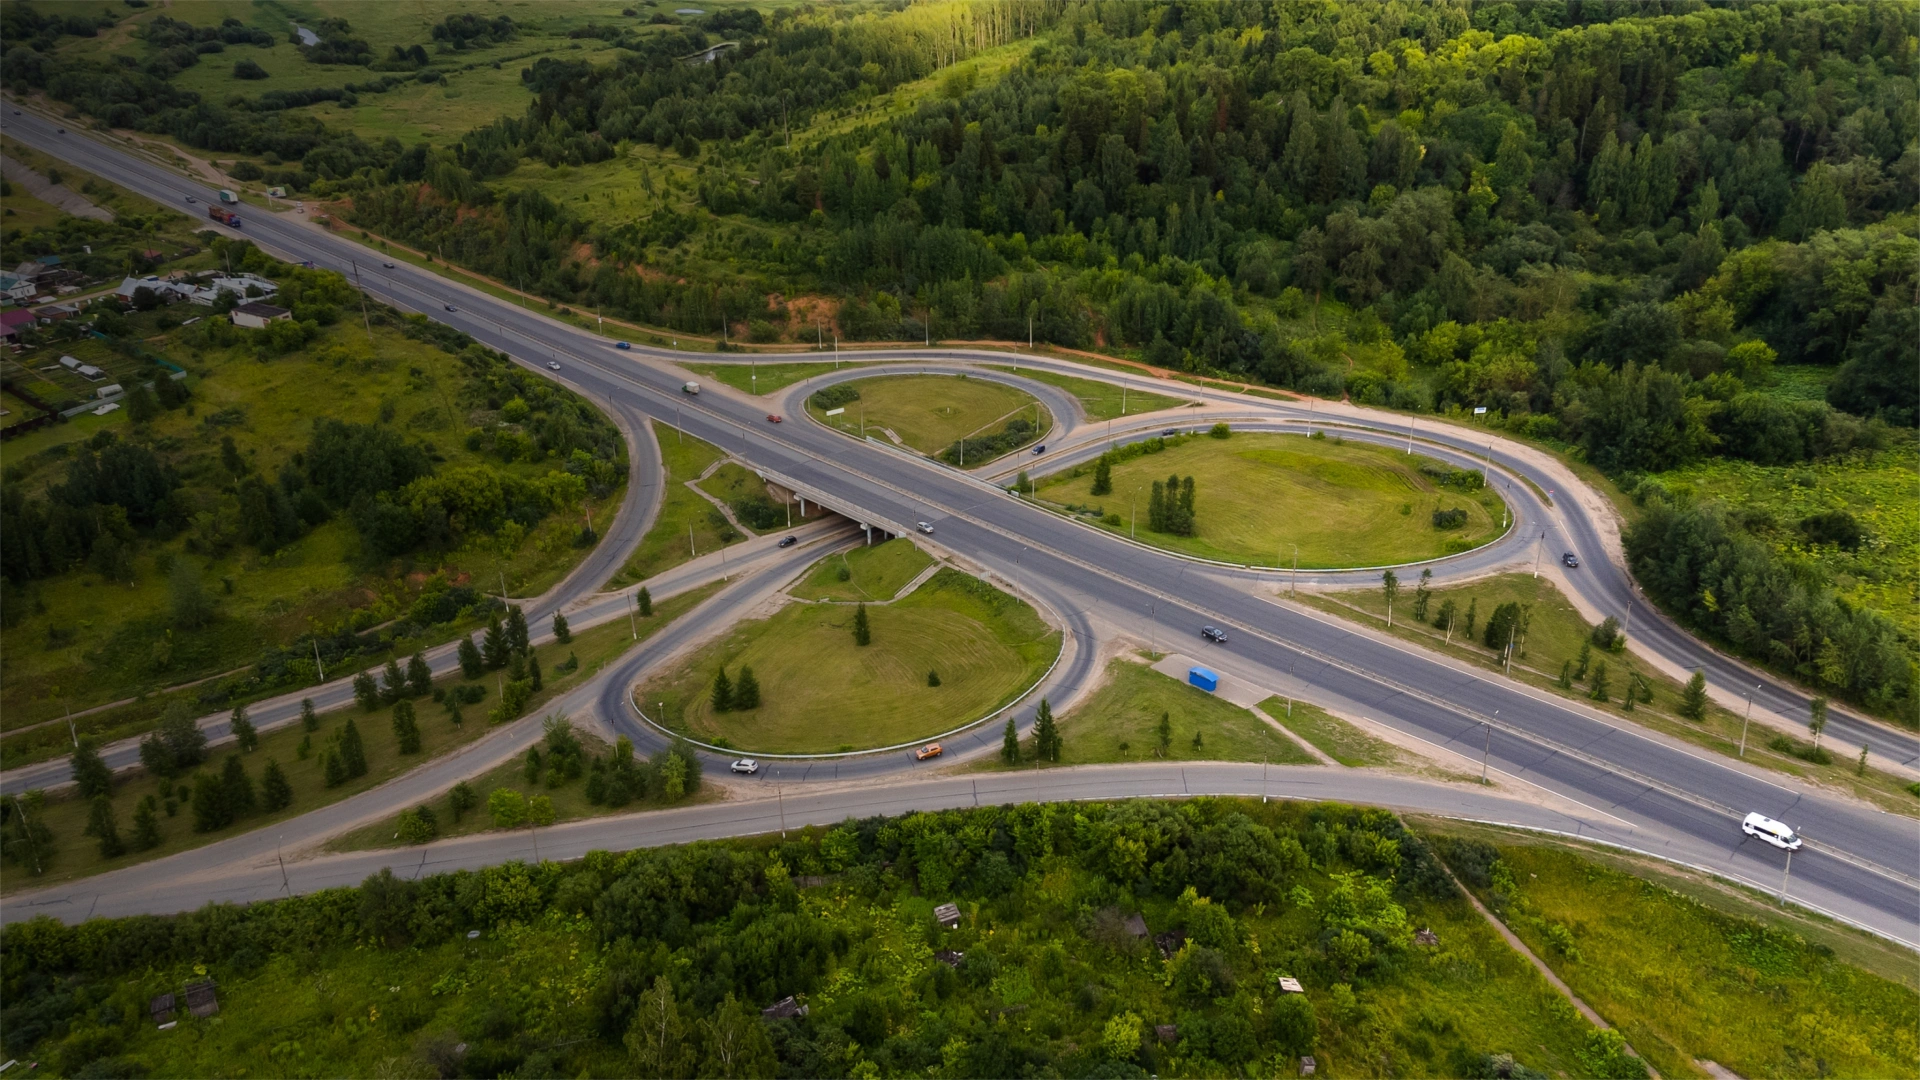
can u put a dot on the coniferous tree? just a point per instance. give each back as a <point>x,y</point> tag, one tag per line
<point>462,799</point>
<point>722,691</point>
<point>146,825</point>
<point>91,776</point>
<point>210,807</point>
<point>493,647</point>
<point>333,764</point>
<point>862,631</point>
<point>366,692</point>
<point>1157,507</point>
<point>1010,743</point>
<point>353,752</point>
<point>239,786</point>
<point>1693,699</point>
<point>309,719</point>
<point>746,691</point>
<point>1046,736</point>
<point>419,675</point>
<point>275,792</point>
<point>517,638</point>
<point>406,728</point>
<point>393,682</point>
<point>453,711</point>
<point>471,665</point>
<point>244,733</point>
<point>1473,606</point>
<point>1103,476</point>
<point>1165,733</point>
<point>516,667</point>
<point>103,828</point>
<point>533,671</point>
<point>933,678</point>
<point>561,632</point>
<point>1597,683</point>
<point>646,602</point>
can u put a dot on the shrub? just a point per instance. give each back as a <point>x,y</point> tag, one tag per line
<point>1450,518</point>
<point>507,807</point>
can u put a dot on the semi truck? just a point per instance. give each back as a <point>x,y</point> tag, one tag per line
<point>224,216</point>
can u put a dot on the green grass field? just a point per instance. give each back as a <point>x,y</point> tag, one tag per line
<point>1710,973</point>
<point>1877,488</point>
<point>77,856</point>
<point>730,483</point>
<point>874,573</point>
<point>1332,736</point>
<point>87,641</point>
<point>765,378</point>
<point>1260,495</point>
<point>1121,720</point>
<point>1100,400</point>
<point>669,543</point>
<point>931,412</point>
<point>1554,635</point>
<point>820,692</point>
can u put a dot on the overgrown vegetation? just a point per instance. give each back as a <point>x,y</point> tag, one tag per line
<point>658,962</point>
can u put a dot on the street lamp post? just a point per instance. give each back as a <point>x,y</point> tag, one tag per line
<point>1487,750</point>
<point>1747,721</point>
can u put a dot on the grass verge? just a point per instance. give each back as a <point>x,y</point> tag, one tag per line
<point>687,524</point>
<point>1691,969</point>
<point>1120,721</point>
<point>871,573</point>
<point>765,378</point>
<point>1554,636</point>
<point>820,692</point>
<point>77,856</point>
<point>1332,736</point>
<point>1259,496</point>
<point>1100,400</point>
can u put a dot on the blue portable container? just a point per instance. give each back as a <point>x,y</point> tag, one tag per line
<point>1204,679</point>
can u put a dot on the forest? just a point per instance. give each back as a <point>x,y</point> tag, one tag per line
<point>1611,225</point>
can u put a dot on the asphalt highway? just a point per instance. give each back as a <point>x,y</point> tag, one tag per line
<point>1866,859</point>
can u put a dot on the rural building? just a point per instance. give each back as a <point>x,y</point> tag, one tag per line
<point>14,287</point>
<point>12,323</point>
<point>256,315</point>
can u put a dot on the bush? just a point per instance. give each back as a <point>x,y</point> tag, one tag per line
<point>833,397</point>
<point>1451,518</point>
<point>507,807</point>
<point>248,69</point>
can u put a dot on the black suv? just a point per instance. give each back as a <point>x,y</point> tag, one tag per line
<point>1214,633</point>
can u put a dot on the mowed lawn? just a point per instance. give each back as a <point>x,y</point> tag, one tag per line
<point>765,378</point>
<point>820,692</point>
<point>932,412</point>
<point>1121,722</point>
<point>873,572</point>
<point>1258,496</point>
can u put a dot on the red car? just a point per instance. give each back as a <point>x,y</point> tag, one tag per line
<point>774,418</point>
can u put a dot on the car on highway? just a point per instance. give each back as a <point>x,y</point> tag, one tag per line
<point>622,345</point>
<point>191,200</point>
<point>1764,828</point>
<point>924,526</point>
<point>450,307</point>
<point>1572,560</point>
<point>931,750</point>
<point>746,766</point>
<point>774,418</point>
<point>787,541</point>
<point>554,364</point>
<point>1041,449</point>
<point>61,131</point>
<point>1169,431</point>
<point>1214,633</point>
<point>388,265</point>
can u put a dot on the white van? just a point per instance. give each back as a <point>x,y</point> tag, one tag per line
<point>1771,831</point>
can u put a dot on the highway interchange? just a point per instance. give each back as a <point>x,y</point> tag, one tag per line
<point>1654,793</point>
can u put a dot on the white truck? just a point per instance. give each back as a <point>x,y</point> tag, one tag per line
<point>690,388</point>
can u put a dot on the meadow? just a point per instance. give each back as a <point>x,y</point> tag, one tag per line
<point>930,413</point>
<point>869,572</point>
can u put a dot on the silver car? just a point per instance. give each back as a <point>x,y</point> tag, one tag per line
<point>746,766</point>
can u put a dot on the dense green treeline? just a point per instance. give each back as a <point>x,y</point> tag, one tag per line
<point>1081,929</point>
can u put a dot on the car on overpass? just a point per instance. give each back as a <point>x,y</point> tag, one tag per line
<point>746,766</point>
<point>924,526</point>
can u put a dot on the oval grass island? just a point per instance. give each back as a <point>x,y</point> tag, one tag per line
<point>931,414</point>
<point>1258,494</point>
<point>820,692</point>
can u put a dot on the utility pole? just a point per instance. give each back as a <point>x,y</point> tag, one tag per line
<point>1537,545</point>
<point>781,798</point>
<point>1487,750</point>
<point>1123,400</point>
<point>365,319</point>
<point>1409,434</point>
<point>632,625</point>
<point>316,660</point>
<point>691,553</point>
<point>1133,514</point>
<point>1293,590</point>
<point>1785,876</point>
<point>1511,630</point>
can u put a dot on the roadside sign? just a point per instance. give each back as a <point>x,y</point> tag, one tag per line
<point>836,412</point>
